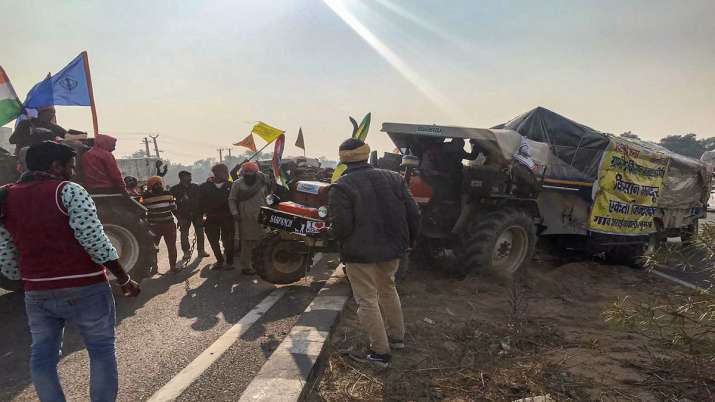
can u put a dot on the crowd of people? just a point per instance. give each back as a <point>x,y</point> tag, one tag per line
<point>220,210</point>
<point>52,239</point>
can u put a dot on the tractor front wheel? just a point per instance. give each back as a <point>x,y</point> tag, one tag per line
<point>281,261</point>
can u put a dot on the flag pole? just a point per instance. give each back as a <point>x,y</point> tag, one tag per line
<point>259,151</point>
<point>91,93</point>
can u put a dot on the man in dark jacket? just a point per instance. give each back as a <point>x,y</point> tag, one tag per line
<point>375,220</point>
<point>189,213</point>
<point>219,225</point>
<point>37,129</point>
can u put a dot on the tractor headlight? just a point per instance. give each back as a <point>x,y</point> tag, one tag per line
<point>270,199</point>
<point>323,212</point>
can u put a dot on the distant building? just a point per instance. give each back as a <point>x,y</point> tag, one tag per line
<point>141,168</point>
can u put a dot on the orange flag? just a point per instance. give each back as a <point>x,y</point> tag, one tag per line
<point>247,142</point>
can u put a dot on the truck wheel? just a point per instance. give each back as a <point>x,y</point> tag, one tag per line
<point>280,261</point>
<point>689,235</point>
<point>133,241</point>
<point>633,255</point>
<point>499,241</point>
<point>629,255</point>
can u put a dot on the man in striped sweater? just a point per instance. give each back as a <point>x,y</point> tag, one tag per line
<point>161,207</point>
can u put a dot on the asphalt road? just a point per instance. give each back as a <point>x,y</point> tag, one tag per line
<point>176,317</point>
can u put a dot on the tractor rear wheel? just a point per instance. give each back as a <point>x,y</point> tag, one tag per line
<point>281,261</point>
<point>499,241</point>
<point>130,235</point>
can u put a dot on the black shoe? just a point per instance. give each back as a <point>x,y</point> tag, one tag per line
<point>375,359</point>
<point>217,266</point>
<point>248,271</point>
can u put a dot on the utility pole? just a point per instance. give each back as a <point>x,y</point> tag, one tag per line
<point>220,155</point>
<point>146,144</point>
<point>229,152</point>
<point>156,146</point>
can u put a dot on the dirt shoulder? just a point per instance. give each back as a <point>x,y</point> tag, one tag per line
<point>485,339</point>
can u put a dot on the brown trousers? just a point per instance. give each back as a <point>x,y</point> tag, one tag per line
<point>378,303</point>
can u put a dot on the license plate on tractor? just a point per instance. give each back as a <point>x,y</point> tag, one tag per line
<point>292,223</point>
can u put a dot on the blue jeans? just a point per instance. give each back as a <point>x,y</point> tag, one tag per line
<point>91,309</point>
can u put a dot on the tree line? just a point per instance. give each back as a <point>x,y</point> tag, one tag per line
<point>686,144</point>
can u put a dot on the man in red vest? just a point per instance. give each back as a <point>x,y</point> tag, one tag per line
<point>51,238</point>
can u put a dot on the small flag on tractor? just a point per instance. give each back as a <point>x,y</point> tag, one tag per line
<point>268,133</point>
<point>247,142</point>
<point>300,142</point>
<point>359,133</point>
<point>277,157</point>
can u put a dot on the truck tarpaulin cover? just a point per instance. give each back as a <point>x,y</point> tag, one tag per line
<point>582,153</point>
<point>578,147</point>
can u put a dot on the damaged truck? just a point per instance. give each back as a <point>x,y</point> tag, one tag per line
<point>599,193</point>
<point>584,190</point>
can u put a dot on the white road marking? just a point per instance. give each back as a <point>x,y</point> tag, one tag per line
<point>678,281</point>
<point>190,373</point>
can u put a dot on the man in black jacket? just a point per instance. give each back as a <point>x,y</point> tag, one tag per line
<point>375,220</point>
<point>37,129</point>
<point>188,212</point>
<point>213,202</point>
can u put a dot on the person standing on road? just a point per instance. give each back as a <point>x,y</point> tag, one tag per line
<point>52,239</point>
<point>161,208</point>
<point>248,195</point>
<point>375,220</point>
<point>188,213</point>
<point>219,225</point>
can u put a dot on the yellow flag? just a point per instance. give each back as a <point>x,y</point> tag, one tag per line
<point>339,170</point>
<point>268,133</point>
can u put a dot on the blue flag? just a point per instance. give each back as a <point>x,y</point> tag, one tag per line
<point>69,87</point>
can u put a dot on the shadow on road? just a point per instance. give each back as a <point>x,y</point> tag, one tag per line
<point>15,347</point>
<point>223,293</point>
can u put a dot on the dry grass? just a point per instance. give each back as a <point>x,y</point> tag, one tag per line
<point>495,341</point>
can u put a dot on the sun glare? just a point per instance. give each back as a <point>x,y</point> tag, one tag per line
<point>341,10</point>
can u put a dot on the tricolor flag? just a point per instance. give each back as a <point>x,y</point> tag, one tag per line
<point>268,133</point>
<point>277,156</point>
<point>247,142</point>
<point>10,106</point>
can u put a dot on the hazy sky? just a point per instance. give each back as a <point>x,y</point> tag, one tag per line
<point>199,73</point>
